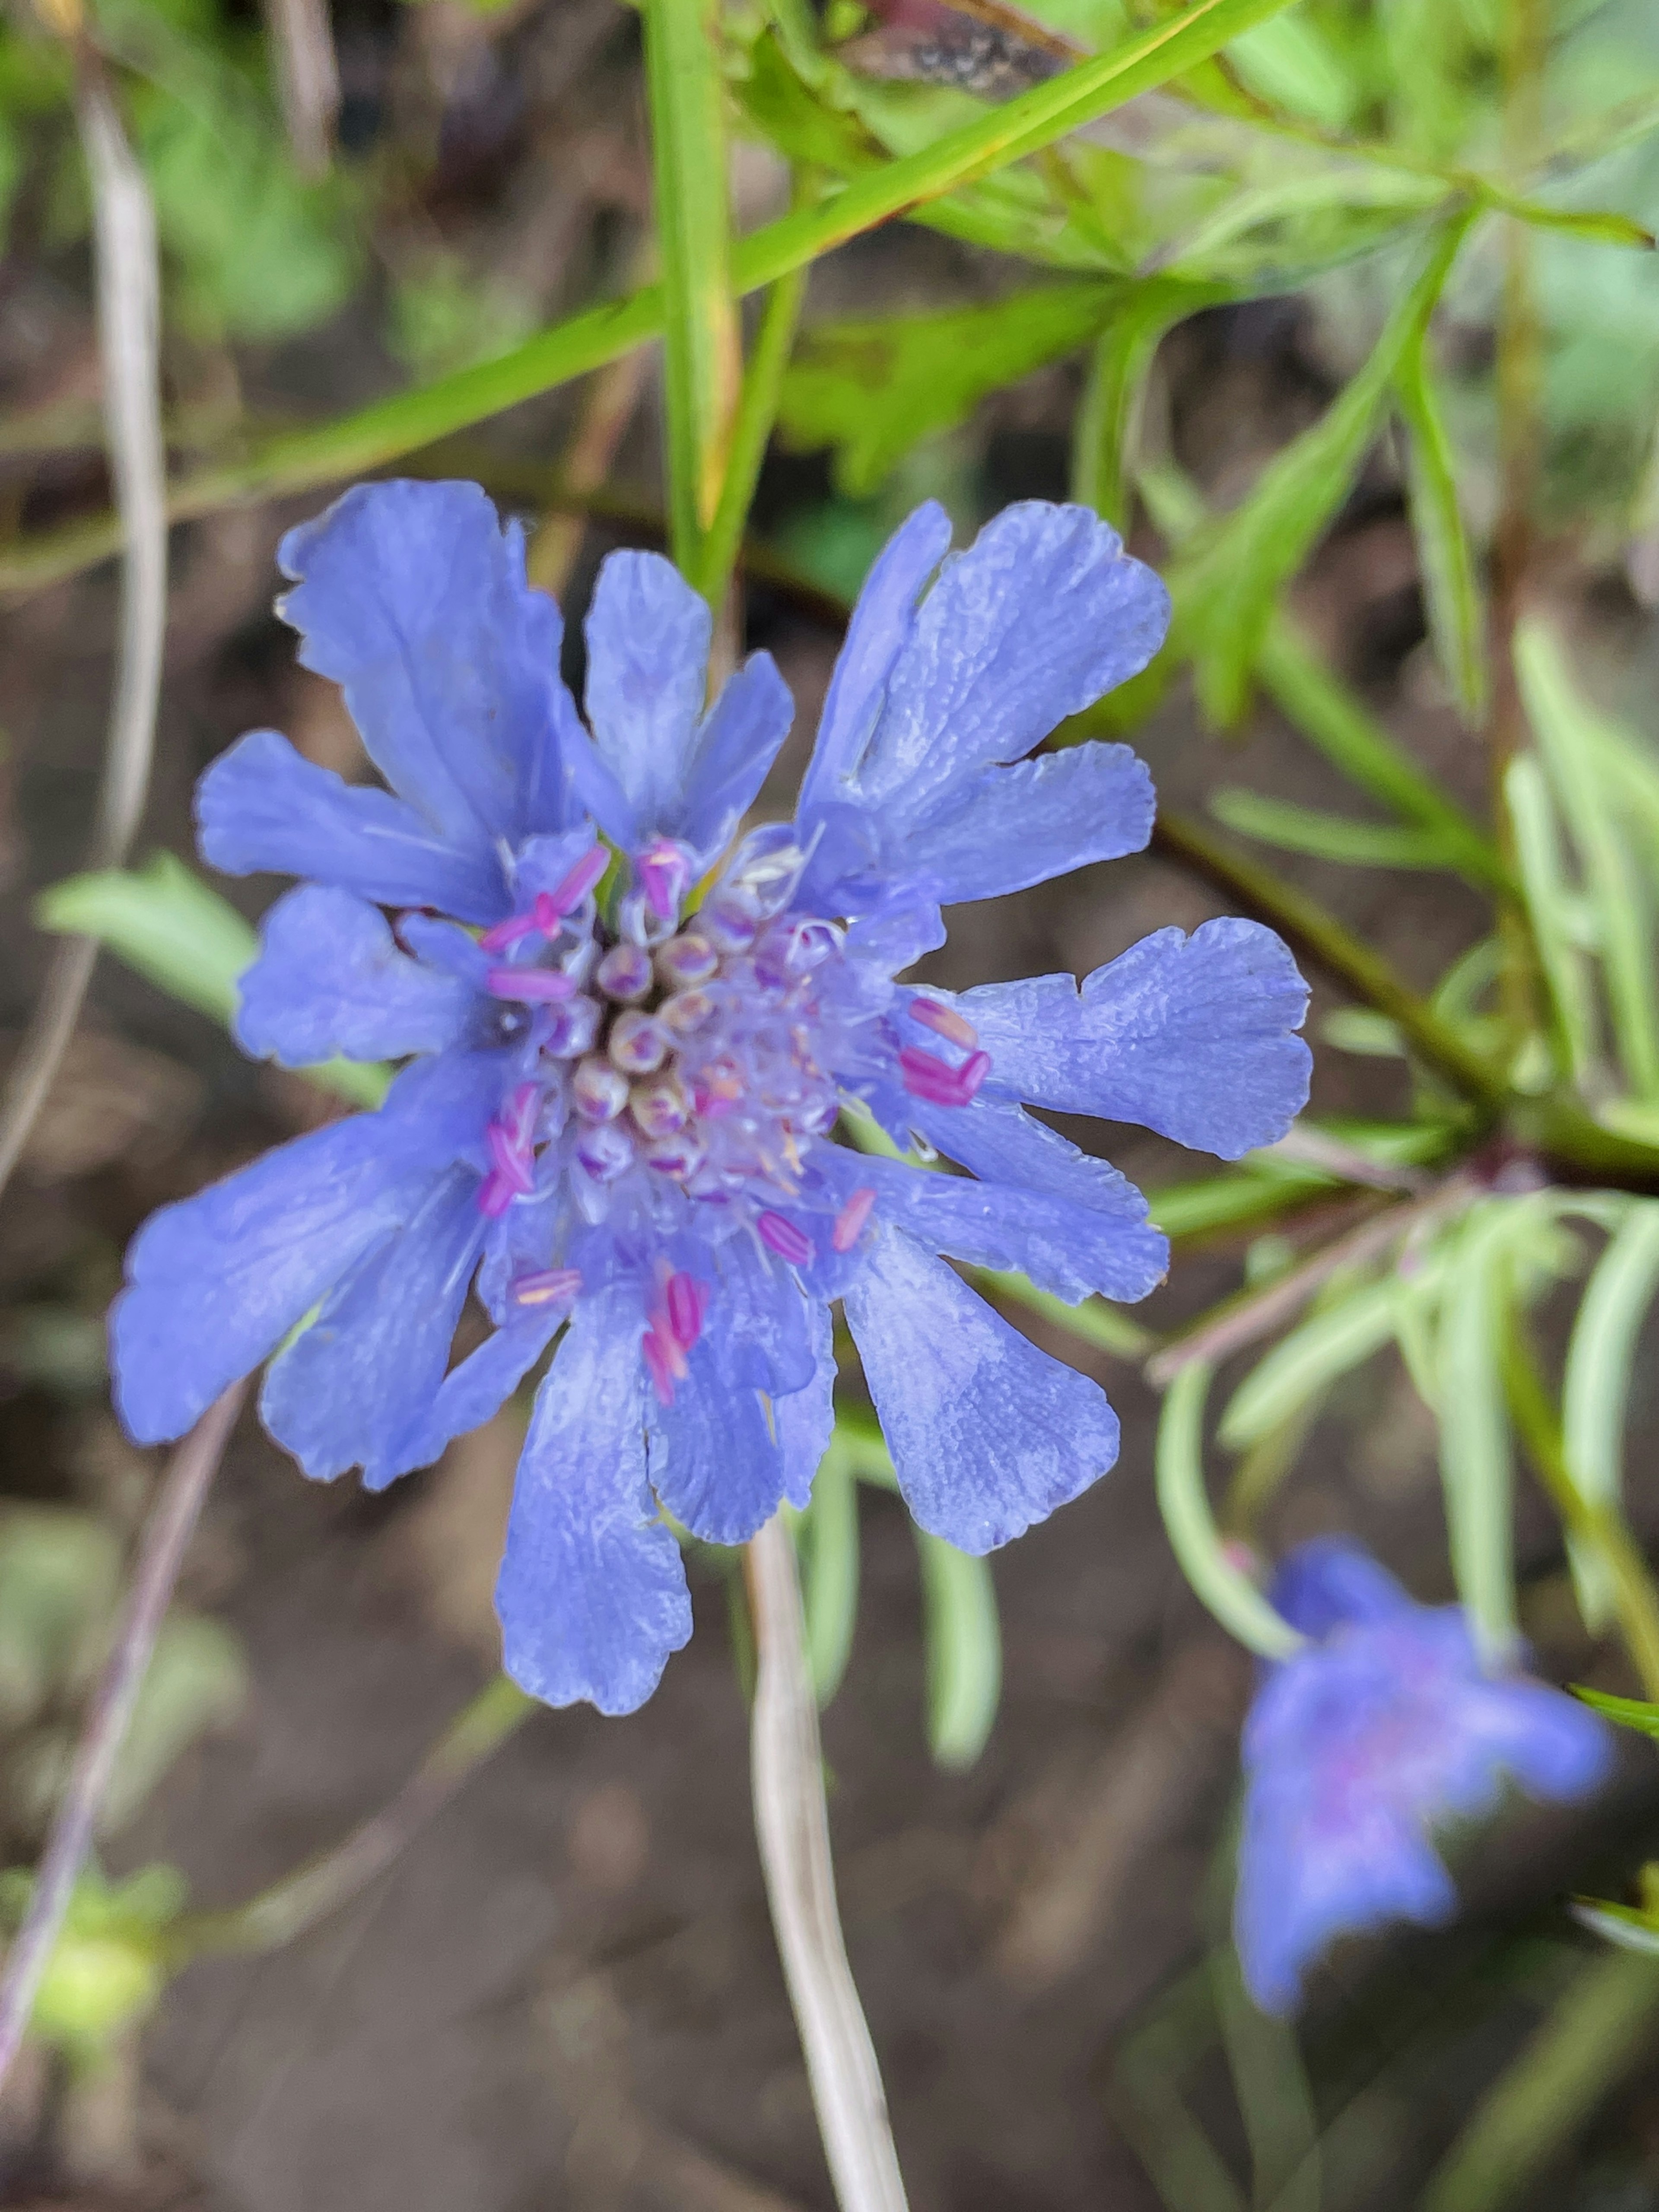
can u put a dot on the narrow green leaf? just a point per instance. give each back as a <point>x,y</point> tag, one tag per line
<point>872,390</point>
<point>164,922</point>
<point>1549,903</point>
<point>1573,740</point>
<point>1094,1321</point>
<point>687,97</point>
<point>1185,1504</point>
<point>828,1535</point>
<point>1597,2031</point>
<point>1450,590</point>
<point>1327,836</point>
<point>1331,1342</point>
<point>1625,1926</point>
<point>1186,1210</point>
<point>1107,426</point>
<point>1629,1712</point>
<point>1596,1384</point>
<point>1274,2099</point>
<point>356,444</point>
<point>1332,717</point>
<point>1226,585</point>
<point>1476,1468</point>
<point>965,1650</point>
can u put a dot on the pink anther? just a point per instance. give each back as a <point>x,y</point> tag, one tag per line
<point>783,1237</point>
<point>944,1021</point>
<point>931,1079</point>
<point>849,1221</point>
<point>687,1302</point>
<point>547,1286</point>
<point>658,1366</point>
<point>495,1194</point>
<point>568,893</point>
<point>513,1163</point>
<point>513,931</point>
<point>532,987</point>
<point>663,872</point>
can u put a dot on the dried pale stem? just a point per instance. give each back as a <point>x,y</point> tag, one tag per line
<point>1246,1320</point>
<point>307,79</point>
<point>160,1554</point>
<point>128,296</point>
<point>793,1826</point>
<point>301,1900</point>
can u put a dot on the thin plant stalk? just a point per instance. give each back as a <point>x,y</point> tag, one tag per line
<point>160,1554</point>
<point>128,274</point>
<point>792,1824</point>
<point>1519,370</point>
<point>312,1893</point>
<point>751,430</point>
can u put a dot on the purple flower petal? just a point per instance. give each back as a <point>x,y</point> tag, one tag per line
<point>215,1282</point>
<point>730,756</point>
<point>412,598</point>
<point>1194,1036</point>
<point>261,808</point>
<point>987,1433</point>
<point>647,658</point>
<point>592,1594</point>
<point>1043,614</point>
<point>1018,826</point>
<point>330,979</point>
<point>714,1460</point>
<point>356,1389</point>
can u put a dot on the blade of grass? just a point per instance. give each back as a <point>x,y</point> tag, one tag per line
<point>701,348</point>
<point>1567,730</point>
<point>1476,1467</point>
<point>1456,620</point>
<point>1326,836</point>
<point>1538,854</point>
<point>1598,2031</point>
<point>355,444</point>
<point>758,411</point>
<point>963,1637</point>
<point>1596,1385</point>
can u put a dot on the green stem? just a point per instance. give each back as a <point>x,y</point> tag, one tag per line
<point>1317,932</point>
<point>1597,2031</point>
<point>1599,1528</point>
<point>758,411</point>
<point>701,346</point>
<point>401,424</point>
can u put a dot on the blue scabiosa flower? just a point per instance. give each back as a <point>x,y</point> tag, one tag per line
<point>627,1039</point>
<point>1384,1728</point>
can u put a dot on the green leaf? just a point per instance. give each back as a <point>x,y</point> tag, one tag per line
<point>1327,836</point>
<point>164,922</point>
<point>1213,1203</point>
<point>1596,1385</point>
<point>1629,1712</point>
<point>1094,1321</point>
<point>827,1534</point>
<point>1227,584</point>
<point>1573,739</point>
<point>687,97</point>
<point>1185,1504</point>
<point>1476,1468</point>
<point>873,389</point>
<point>1301,1365</point>
<point>1453,599</point>
<point>356,444</point>
<point>965,1650</point>
<point>1107,424</point>
<point>1549,908</point>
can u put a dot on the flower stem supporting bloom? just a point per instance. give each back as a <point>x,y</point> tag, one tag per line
<point>160,1554</point>
<point>793,1826</point>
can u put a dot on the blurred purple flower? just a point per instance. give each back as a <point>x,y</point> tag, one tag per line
<point>618,1110</point>
<point>1382,1730</point>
